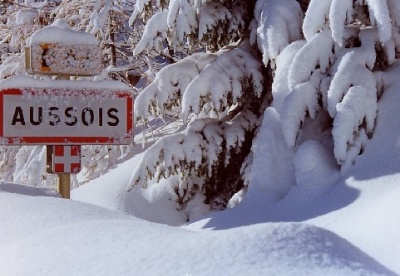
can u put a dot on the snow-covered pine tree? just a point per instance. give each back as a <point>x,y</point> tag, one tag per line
<point>321,60</point>
<point>331,79</point>
<point>220,92</point>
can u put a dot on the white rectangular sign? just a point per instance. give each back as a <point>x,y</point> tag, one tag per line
<point>62,116</point>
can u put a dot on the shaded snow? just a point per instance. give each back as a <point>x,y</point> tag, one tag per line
<point>63,237</point>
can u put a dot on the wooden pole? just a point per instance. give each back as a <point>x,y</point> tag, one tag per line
<point>64,179</point>
<point>64,185</point>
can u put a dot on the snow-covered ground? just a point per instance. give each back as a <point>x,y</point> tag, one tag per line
<point>44,235</point>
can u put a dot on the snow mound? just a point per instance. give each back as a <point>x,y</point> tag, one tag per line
<point>312,162</point>
<point>100,242</point>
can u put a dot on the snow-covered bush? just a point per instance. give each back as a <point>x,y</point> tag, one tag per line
<point>203,157</point>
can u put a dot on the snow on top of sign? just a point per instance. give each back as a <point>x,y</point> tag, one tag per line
<point>61,32</point>
<point>29,82</point>
<point>63,91</point>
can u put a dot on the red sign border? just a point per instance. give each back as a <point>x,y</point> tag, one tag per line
<point>89,140</point>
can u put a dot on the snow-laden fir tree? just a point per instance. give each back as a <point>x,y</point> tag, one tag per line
<point>219,92</point>
<point>320,60</point>
<point>331,79</point>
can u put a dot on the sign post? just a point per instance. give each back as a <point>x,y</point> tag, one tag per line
<point>64,185</point>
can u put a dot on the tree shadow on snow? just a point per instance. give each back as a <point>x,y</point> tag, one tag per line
<point>256,208</point>
<point>381,156</point>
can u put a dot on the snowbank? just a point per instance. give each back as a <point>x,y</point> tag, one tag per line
<point>51,236</point>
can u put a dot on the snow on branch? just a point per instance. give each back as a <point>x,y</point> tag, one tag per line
<point>360,62</point>
<point>188,22</point>
<point>301,101</point>
<point>307,78</point>
<point>343,80</point>
<point>317,53</point>
<point>358,106</point>
<point>141,6</point>
<point>352,102</point>
<point>394,10</point>
<point>315,17</point>
<point>194,152</point>
<point>154,34</point>
<point>379,15</point>
<point>223,83</point>
<point>279,23</point>
<point>337,14</point>
<point>98,20</point>
<point>165,92</point>
<point>181,18</point>
<point>340,15</point>
<point>220,25</point>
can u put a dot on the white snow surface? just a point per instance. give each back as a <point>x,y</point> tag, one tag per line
<point>43,235</point>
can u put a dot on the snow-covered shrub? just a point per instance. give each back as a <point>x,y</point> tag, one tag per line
<point>165,92</point>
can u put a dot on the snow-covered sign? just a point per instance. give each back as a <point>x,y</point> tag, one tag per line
<point>66,159</point>
<point>64,112</point>
<point>59,50</point>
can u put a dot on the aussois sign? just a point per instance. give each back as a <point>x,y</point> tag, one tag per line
<point>64,112</point>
